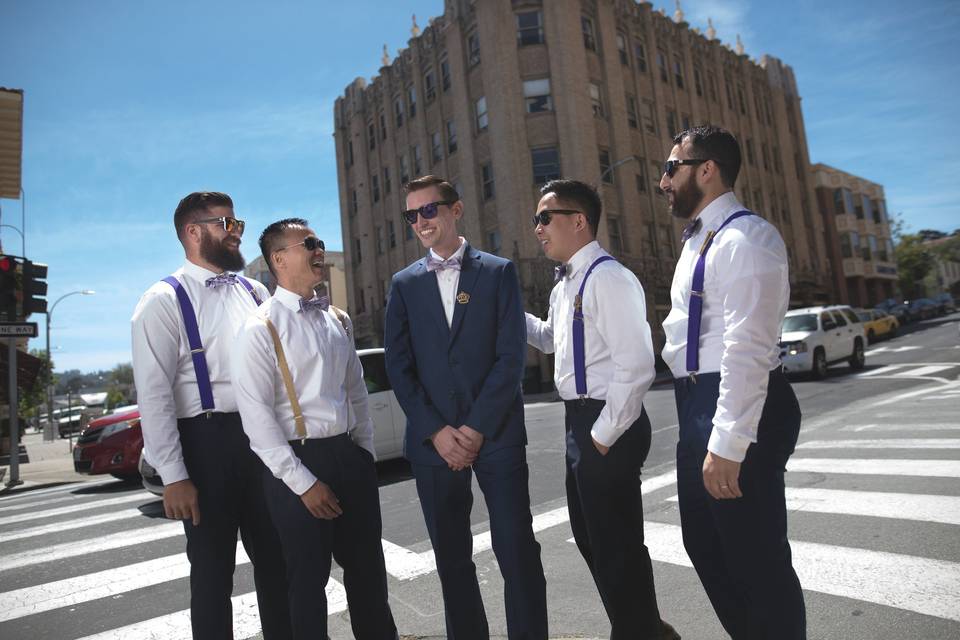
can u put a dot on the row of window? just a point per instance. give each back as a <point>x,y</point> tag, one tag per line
<point>864,208</point>
<point>853,245</point>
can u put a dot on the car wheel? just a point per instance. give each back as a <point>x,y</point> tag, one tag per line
<point>871,337</point>
<point>857,358</point>
<point>892,333</point>
<point>819,370</point>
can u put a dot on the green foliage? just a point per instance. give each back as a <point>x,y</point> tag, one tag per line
<point>33,401</point>
<point>914,261</point>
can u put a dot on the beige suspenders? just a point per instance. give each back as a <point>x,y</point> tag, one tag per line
<point>301,427</point>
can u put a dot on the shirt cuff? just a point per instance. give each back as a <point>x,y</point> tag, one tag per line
<point>605,432</point>
<point>728,445</point>
<point>300,480</point>
<point>173,472</point>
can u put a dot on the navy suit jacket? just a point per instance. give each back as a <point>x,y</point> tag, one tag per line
<point>468,373</point>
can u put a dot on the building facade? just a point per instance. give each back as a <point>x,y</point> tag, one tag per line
<point>500,96</point>
<point>335,284</point>
<point>858,237</point>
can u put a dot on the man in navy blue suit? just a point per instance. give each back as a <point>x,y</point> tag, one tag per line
<point>455,343</point>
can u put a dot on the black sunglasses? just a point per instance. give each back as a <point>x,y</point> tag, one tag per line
<point>229,224</point>
<point>670,166</point>
<point>428,211</point>
<point>310,243</point>
<point>544,217</point>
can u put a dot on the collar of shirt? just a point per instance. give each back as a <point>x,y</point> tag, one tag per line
<point>196,272</point>
<point>456,254</point>
<point>715,213</point>
<point>582,259</point>
<point>288,299</point>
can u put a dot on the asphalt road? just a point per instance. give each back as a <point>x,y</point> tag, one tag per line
<point>874,493</point>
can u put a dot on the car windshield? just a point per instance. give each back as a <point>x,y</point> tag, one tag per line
<point>864,316</point>
<point>806,322</point>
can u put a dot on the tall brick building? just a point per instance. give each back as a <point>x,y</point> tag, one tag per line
<point>501,96</point>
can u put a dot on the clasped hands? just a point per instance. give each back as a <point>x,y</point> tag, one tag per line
<point>458,447</point>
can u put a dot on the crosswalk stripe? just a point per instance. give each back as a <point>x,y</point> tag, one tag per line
<point>141,496</point>
<point>882,371</point>
<point>876,504</point>
<point>889,443</point>
<point>246,619</point>
<point>38,503</point>
<point>877,466</point>
<point>69,524</point>
<point>928,370</point>
<point>926,586</point>
<point>96,545</point>
<point>34,493</point>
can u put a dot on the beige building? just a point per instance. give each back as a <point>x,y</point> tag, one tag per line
<point>858,237</point>
<point>335,284</point>
<point>502,96</point>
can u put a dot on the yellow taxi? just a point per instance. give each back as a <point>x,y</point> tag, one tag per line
<point>878,324</point>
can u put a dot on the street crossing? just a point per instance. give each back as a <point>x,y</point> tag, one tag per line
<point>144,592</point>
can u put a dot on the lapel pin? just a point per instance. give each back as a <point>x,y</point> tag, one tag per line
<point>463,297</point>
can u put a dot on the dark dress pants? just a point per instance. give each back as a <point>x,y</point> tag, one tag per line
<point>739,547</point>
<point>606,515</point>
<point>352,539</point>
<point>229,481</point>
<point>446,499</point>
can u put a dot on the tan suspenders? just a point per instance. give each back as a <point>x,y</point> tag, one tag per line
<point>300,425</point>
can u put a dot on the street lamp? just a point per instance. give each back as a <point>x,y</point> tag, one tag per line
<point>615,165</point>
<point>23,240</point>
<point>81,292</point>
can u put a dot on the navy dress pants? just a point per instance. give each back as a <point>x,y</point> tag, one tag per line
<point>739,547</point>
<point>606,515</point>
<point>229,481</point>
<point>352,539</point>
<point>447,499</point>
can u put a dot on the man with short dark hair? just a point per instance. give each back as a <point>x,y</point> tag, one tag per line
<point>455,355</point>
<point>300,390</point>
<point>739,418</point>
<point>183,332</point>
<point>597,327</point>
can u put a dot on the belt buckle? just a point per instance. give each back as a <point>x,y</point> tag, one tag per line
<point>692,376</point>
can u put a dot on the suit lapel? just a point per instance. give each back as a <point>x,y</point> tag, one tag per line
<point>468,278</point>
<point>430,295</point>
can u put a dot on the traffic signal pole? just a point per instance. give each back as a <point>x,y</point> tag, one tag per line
<point>14,422</point>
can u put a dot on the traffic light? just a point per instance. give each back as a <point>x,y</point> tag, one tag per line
<point>34,288</point>
<point>8,289</point>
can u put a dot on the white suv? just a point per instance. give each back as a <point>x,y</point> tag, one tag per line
<point>814,338</point>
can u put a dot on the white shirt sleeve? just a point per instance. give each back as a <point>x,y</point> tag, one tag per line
<point>621,317</point>
<point>540,332</point>
<point>155,329</point>
<point>752,314</point>
<point>256,384</point>
<point>361,426</point>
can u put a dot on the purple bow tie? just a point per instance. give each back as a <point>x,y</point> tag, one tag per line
<point>560,272</point>
<point>690,230</point>
<point>222,279</point>
<point>322,303</point>
<point>436,264</point>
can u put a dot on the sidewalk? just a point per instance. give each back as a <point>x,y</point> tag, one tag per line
<point>51,463</point>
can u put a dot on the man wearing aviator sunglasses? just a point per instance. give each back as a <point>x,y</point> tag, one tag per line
<point>183,333</point>
<point>455,356</point>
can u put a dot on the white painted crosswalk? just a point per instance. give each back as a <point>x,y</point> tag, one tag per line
<point>53,530</point>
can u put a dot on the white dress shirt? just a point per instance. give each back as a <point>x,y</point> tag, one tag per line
<point>327,376</point>
<point>746,293</point>
<point>448,280</point>
<point>618,348</point>
<point>163,369</point>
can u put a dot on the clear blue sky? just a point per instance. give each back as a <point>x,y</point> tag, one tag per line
<point>131,105</point>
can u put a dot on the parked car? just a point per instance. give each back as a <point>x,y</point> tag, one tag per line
<point>110,444</point>
<point>898,310</point>
<point>389,421</point>
<point>945,303</point>
<point>877,324</point>
<point>922,308</point>
<point>813,338</point>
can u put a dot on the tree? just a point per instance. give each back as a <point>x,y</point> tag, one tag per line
<point>914,261</point>
<point>33,401</point>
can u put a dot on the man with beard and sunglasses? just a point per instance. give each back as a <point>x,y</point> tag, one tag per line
<point>597,327</point>
<point>300,388</point>
<point>183,333</point>
<point>455,354</point>
<point>739,418</point>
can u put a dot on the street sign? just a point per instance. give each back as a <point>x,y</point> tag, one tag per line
<point>18,329</point>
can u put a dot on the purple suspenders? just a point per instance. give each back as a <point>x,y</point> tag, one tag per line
<point>696,298</point>
<point>193,338</point>
<point>579,356</point>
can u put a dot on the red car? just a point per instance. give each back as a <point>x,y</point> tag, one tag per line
<point>110,444</point>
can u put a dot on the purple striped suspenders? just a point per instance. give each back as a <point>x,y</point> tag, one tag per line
<point>579,355</point>
<point>193,339</point>
<point>696,298</point>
